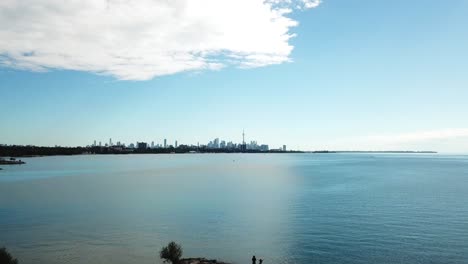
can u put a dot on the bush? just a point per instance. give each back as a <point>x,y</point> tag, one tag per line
<point>6,257</point>
<point>171,253</point>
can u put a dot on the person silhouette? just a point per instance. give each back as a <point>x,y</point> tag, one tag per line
<point>260,261</point>
<point>254,260</point>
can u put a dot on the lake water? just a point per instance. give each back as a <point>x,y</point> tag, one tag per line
<point>284,208</point>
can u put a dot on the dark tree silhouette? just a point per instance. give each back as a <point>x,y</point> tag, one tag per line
<point>171,253</point>
<point>6,257</point>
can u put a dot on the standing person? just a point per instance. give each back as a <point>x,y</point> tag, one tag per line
<point>254,260</point>
<point>260,261</point>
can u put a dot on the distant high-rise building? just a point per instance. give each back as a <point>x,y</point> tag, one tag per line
<point>110,142</point>
<point>100,143</point>
<point>243,146</point>
<point>222,144</point>
<point>94,143</point>
<point>175,144</point>
<point>216,143</point>
<point>131,145</point>
<point>165,143</point>
<point>142,145</point>
<point>152,144</point>
<point>264,147</point>
<point>284,147</point>
<point>253,145</point>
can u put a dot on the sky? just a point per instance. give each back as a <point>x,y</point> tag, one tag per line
<point>312,75</point>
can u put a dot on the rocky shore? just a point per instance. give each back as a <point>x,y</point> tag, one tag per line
<point>11,161</point>
<point>201,261</point>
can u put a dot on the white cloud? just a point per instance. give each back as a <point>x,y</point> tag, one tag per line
<point>311,3</point>
<point>141,39</point>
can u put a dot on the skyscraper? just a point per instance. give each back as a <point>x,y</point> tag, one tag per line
<point>152,144</point>
<point>110,142</point>
<point>243,146</point>
<point>142,145</point>
<point>165,143</point>
<point>284,147</point>
<point>264,147</point>
<point>175,144</point>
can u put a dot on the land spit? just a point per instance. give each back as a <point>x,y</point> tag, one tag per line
<point>11,161</point>
<point>201,261</point>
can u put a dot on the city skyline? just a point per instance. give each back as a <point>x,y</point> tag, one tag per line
<point>313,75</point>
<point>217,143</point>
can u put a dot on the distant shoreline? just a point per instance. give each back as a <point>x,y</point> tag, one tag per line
<point>35,151</point>
<point>376,151</point>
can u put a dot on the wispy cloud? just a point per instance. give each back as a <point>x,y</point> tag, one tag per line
<point>311,3</point>
<point>138,40</point>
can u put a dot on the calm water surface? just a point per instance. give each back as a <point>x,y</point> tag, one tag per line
<point>285,208</point>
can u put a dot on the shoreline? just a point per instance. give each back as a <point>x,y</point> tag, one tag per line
<point>201,261</point>
<point>35,151</point>
<point>20,162</point>
<point>32,151</point>
<point>11,161</point>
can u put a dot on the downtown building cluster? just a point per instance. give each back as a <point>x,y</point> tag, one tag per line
<point>222,144</point>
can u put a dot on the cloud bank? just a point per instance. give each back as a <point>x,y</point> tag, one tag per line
<point>443,134</point>
<point>445,140</point>
<point>142,39</point>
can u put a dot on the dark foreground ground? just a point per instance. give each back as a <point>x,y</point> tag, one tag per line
<point>201,261</point>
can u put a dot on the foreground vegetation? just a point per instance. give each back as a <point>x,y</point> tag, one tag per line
<point>6,257</point>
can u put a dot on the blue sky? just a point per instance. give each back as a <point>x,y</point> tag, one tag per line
<point>362,75</point>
